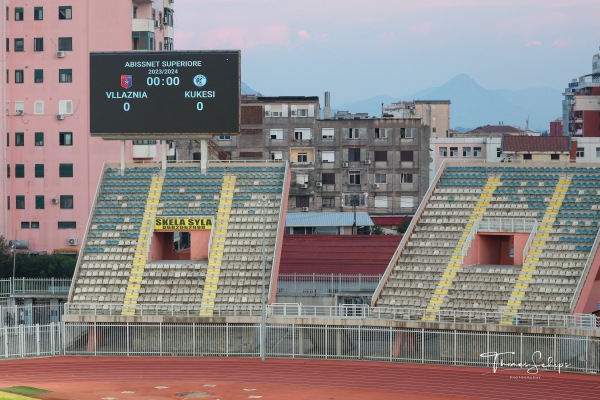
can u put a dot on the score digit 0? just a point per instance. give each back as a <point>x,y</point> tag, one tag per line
<point>126,106</point>
<point>199,106</point>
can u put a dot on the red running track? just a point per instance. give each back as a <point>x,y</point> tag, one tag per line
<point>135,378</point>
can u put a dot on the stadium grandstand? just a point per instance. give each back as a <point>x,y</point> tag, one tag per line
<point>501,238</point>
<point>231,212</point>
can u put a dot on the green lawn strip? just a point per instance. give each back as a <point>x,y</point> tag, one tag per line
<point>13,396</point>
<point>24,390</point>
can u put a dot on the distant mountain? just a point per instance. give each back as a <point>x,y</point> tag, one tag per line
<point>473,105</point>
<point>247,89</point>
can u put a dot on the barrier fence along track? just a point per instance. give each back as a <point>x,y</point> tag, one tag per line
<point>294,310</point>
<point>564,353</point>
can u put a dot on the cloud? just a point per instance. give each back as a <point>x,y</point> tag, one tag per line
<point>534,43</point>
<point>421,29</point>
<point>561,43</point>
<point>302,34</point>
<point>245,39</point>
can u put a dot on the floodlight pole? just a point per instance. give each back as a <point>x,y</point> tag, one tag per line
<point>263,309</point>
<point>14,249</point>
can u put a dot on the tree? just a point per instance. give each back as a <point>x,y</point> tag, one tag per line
<point>377,230</point>
<point>403,226</point>
<point>34,266</point>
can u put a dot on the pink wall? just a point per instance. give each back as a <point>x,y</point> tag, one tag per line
<point>493,248</point>
<point>96,26</point>
<point>199,240</point>
<point>590,293</point>
<point>161,247</point>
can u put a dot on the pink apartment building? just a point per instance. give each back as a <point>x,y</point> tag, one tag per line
<point>52,164</point>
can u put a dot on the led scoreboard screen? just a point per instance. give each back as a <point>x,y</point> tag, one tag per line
<point>148,94</point>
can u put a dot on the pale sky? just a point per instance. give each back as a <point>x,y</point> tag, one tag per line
<point>360,49</point>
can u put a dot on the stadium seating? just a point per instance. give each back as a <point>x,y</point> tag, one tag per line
<point>430,272</point>
<point>245,201</point>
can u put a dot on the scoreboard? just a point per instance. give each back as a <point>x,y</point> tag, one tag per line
<point>157,95</point>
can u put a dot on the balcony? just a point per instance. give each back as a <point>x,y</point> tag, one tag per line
<point>143,25</point>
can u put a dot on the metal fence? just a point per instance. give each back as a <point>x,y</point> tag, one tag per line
<point>58,286</point>
<point>325,284</point>
<point>530,353</point>
<point>40,314</point>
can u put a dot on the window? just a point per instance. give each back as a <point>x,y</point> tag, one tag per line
<point>407,202</point>
<point>527,156</point>
<point>443,152</point>
<point>38,44</point>
<point>407,156</point>
<point>498,152</point>
<point>354,177</point>
<point>19,44</point>
<point>580,152</point>
<point>381,133</point>
<point>67,225</point>
<point>168,17</point>
<point>39,138</point>
<point>301,179</point>
<point>328,202</point>
<point>8,170</point>
<point>39,170</point>
<point>353,155</point>
<point>381,201</point>
<point>19,170</point>
<point>327,133</point>
<point>143,40</point>
<point>65,138</point>
<point>65,44</point>
<point>65,106</point>
<point>466,152</point>
<point>38,107</point>
<point>555,156</point>
<point>66,202</point>
<point>381,155</point>
<point>7,46</point>
<point>353,133</point>
<point>302,201</point>
<point>19,139</point>
<point>355,199</point>
<point>65,170</point>
<point>277,155</point>
<point>65,12</point>
<point>328,156</point>
<point>302,134</point>
<point>224,137</point>
<point>276,134</point>
<point>38,76</point>
<point>328,178</point>
<point>406,178</point>
<point>39,202</point>
<point>35,225</point>
<point>406,133</point>
<point>24,225</point>
<point>19,14</point>
<point>66,76</point>
<point>380,178</point>
<point>477,151</point>
<point>453,151</point>
<point>19,76</point>
<point>302,157</point>
<point>20,202</point>
<point>38,13</point>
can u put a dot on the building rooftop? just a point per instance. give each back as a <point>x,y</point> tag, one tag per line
<point>536,144</point>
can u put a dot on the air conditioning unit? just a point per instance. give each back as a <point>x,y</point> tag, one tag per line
<point>73,242</point>
<point>319,184</point>
<point>60,54</point>
<point>54,201</point>
<point>367,162</point>
<point>345,164</point>
<point>19,112</point>
<point>305,209</point>
<point>375,185</point>
<point>304,186</point>
<point>156,23</point>
<point>60,117</point>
